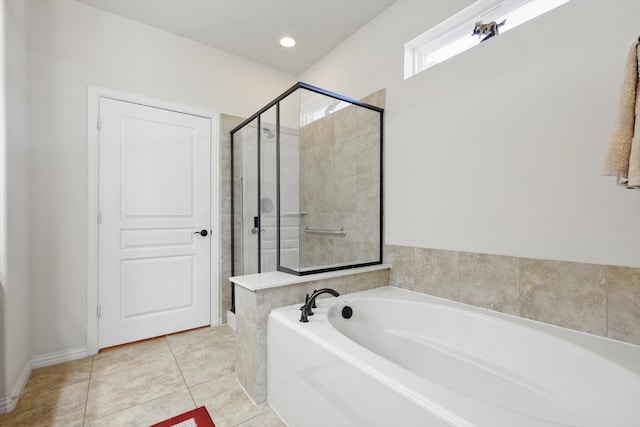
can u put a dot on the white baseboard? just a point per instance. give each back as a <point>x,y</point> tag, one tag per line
<point>231,320</point>
<point>59,357</point>
<point>8,403</point>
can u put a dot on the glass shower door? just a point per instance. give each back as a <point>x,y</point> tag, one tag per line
<point>250,228</point>
<point>268,187</point>
<point>255,156</point>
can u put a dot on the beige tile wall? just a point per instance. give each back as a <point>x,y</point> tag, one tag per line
<point>339,185</point>
<point>227,123</point>
<point>598,299</point>
<point>623,304</point>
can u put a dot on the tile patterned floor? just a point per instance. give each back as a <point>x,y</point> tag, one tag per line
<point>141,384</point>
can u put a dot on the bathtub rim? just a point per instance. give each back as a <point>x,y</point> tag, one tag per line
<point>582,338</point>
<point>320,331</point>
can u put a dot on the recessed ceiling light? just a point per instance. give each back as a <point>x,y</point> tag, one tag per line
<point>288,41</point>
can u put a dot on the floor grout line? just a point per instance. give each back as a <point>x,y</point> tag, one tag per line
<point>178,349</point>
<point>175,359</point>
<point>86,400</point>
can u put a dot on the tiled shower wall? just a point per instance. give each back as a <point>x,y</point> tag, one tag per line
<point>598,299</point>
<point>339,185</point>
<point>227,123</point>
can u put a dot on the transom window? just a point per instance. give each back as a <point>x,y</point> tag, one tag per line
<point>468,28</point>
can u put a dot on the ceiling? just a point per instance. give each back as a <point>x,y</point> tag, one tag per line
<point>252,28</point>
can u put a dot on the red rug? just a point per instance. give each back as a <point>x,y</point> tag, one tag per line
<point>198,417</point>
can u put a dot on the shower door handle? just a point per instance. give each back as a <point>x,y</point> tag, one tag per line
<point>256,225</point>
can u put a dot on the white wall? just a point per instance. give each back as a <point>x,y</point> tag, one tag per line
<point>14,303</point>
<point>498,150</point>
<point>72,45</point>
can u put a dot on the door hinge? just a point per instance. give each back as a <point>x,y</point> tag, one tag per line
<point>99,123</point>
<point>99,217</point>
<point>99,311</point>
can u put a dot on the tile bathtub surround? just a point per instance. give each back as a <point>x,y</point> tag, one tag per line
<point>597,299</point>
<point>623,304</point>
<point>567,294</point>
<point>141,384</point>
<point>489,281</point>
<point>252,313</point>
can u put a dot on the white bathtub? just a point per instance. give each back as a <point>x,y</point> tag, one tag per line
<point>407,359</point>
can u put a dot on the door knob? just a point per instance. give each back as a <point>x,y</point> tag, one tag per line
<point>203,233</point>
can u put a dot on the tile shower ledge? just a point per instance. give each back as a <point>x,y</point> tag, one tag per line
<point>274,279</point>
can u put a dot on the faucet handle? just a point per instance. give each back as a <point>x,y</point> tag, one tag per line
<point>306,300</point>
<point>303,315</point>
<point>303,309</point>
<point>306,308</point>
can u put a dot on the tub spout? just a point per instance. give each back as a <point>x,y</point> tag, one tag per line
<point>310,301</point>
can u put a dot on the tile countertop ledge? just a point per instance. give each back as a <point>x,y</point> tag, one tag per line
<point>274,279</point>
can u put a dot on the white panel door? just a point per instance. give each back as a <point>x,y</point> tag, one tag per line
<point>154,261</point>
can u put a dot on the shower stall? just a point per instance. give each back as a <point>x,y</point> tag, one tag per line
<point>306,190</point>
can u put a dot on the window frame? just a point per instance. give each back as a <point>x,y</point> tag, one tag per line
<point>460,25</point>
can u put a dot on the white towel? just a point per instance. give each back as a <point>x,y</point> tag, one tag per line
<point>622,156</point>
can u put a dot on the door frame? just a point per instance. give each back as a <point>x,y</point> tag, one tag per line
<point>94,93</point>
